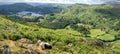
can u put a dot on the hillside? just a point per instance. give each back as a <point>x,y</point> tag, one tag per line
<point>14,8</point>
<point>86,19</point>
<point>59,39</point>
<point>9,9</point>
<point>78,29</point>
<point>34,10</point>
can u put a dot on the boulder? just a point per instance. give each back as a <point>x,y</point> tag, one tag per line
<point>31,52</point>
<point>24,40</point>
<point>21,45</point>
<point>70,45</point>
<point>44,45</point>
<point>6,49</point>
<point>47,46</point>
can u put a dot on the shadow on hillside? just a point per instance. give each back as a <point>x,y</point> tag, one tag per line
<point>109,12</point>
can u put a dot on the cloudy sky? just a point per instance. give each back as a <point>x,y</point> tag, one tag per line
<point>61,1</point>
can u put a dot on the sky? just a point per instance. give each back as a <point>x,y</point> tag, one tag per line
<point>62,1</point>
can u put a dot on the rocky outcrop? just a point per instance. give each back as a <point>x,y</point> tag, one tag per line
<point>24,40</point>
<point>5,49</point>
<point>24,46</point>
<point>31,52</point>
<point>44,45</point>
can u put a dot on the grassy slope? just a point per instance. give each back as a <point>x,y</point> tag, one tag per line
<point>58,38</point>
<point>99,19</point>
<point>102,20</point>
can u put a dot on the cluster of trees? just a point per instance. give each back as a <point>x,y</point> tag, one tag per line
<point>29,19</point>
<point>46,9</point>
<point>104,17</point>
<point>57,22</point>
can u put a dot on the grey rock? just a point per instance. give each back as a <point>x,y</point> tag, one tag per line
<point>6,49</point>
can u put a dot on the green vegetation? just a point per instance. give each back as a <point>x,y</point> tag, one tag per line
<point>107,37</point>
<point>91,20</point>
<point>85,26</point>
<point>19,7</point>
<point>14,8</point>
<point>25,18</point>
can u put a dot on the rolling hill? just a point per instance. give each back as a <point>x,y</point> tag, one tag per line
<point>84,18</point>
<point>91,29</point>
<point>59,39</point>
<point>14,8</point>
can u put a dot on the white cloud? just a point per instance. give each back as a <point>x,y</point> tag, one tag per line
<point>60,1</point>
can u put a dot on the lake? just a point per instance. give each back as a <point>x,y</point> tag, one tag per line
<point>29,13</point>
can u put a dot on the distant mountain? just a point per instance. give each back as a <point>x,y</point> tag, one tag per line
<point>46,8</point>
<point>48,4</point>
<point>5,3</point>
<point>33,7</point>
<point>14,8</point>
<point>113,2</point>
